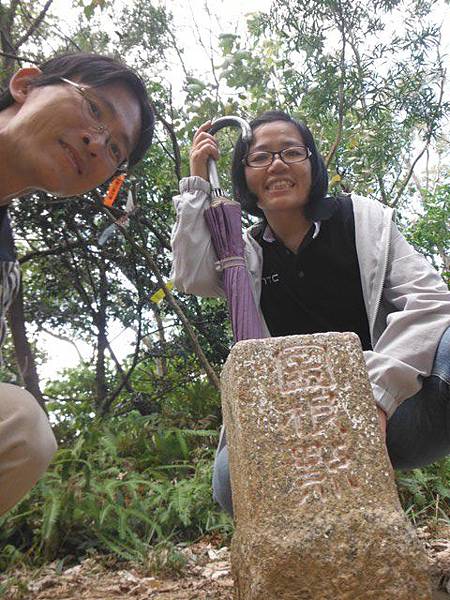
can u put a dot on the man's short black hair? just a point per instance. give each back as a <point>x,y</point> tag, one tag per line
<point>97,70</point>
<point>319,175</point>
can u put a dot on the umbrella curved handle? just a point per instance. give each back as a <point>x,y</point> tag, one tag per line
<point>231,121</point>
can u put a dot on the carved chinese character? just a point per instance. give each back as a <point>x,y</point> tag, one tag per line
<point>304,367</point>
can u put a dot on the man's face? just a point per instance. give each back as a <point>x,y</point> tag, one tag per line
<point>71,141</point>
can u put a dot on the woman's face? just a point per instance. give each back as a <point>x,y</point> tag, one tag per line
<point>59,147</point>
<point>279,187</point>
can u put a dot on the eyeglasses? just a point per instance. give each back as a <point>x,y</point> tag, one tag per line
<point>291,155</point>
<point>91,108</point>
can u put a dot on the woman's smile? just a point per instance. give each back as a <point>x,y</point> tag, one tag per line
<point>279,186</point>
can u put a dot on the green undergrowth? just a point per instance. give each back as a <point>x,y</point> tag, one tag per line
<point>425,493</point>
<point>124,487</point>
<point>134,487</point>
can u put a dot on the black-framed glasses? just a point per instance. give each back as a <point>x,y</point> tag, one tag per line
<point>92,112</point>
<point>264,158</point>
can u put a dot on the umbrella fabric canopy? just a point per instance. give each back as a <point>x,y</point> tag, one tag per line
<point>224,222</point>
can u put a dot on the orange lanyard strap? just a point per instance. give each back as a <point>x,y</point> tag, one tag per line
<point>113,190</point>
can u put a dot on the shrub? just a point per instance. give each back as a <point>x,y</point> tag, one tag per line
<point>122,487</point>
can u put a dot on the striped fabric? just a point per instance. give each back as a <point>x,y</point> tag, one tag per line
<point>9,272</point>
<point>9,286</point>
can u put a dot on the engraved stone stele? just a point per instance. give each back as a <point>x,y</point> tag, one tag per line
<point>315,503</point>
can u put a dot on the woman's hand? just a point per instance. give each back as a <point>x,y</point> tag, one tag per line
<point>382,421</point>
<point>204,146</point>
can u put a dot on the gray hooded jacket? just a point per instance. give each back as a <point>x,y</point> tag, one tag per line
<point>407,303</point>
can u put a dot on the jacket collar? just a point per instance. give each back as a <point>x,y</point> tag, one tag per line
<point>269,236</point>
<point>322,211</point>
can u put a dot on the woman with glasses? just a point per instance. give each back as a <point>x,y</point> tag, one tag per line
<point>65,128</point>
<point>319,264</point>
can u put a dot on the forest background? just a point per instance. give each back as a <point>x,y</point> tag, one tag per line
<point>137,425</point>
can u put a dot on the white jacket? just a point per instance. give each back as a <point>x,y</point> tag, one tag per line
<point>407,303</point>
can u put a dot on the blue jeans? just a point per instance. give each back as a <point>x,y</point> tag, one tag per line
<point>418,433</point>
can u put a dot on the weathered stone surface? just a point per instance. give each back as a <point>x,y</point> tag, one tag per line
<point>316,508</point>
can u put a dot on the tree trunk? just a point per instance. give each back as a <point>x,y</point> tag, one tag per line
<point>6,43</point>
<point>102,343</point>
<point>24,355</point>
<point>161,362</point>
<point>100,367</point>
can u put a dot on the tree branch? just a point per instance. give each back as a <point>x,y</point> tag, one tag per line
<point>337,141</point>
<point>163,240</point>
<point>428,137</point>
<point>86,253</point>
<point>409,175</point>
<point>50,252</point>
<point>63,338</point>
<point>19,58</point>
<point>34,26</point>
<point>161,364</point>
<point>202,44</point>
<point>125,376</point>
<point>173,138</point>
<point>118,366</point>
<point>24,354</point>
<point>78,285</point>
<point>151,263</point>
<point>12,13</point>
<point>353,46</point>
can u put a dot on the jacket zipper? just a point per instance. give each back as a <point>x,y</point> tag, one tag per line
<point>380,291</point>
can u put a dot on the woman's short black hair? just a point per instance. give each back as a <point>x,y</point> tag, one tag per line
<point>97,70</point>
<point>319,176</point>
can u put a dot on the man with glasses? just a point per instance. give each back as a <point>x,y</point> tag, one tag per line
<point>65,128</point>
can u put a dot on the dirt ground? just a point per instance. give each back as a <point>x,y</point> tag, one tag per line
<point>205,575</point>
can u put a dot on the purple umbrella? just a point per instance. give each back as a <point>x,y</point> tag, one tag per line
<point>224,222</point>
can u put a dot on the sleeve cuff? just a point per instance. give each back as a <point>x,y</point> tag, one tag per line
<point>194,184</point>
<point>384,400</point>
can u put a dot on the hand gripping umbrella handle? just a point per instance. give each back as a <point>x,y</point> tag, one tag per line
<point>218,124</point>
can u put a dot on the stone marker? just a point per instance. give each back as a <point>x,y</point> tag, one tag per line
<point>316,507</point>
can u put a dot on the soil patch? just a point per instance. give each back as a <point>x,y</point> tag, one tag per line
<point>205,575</point>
